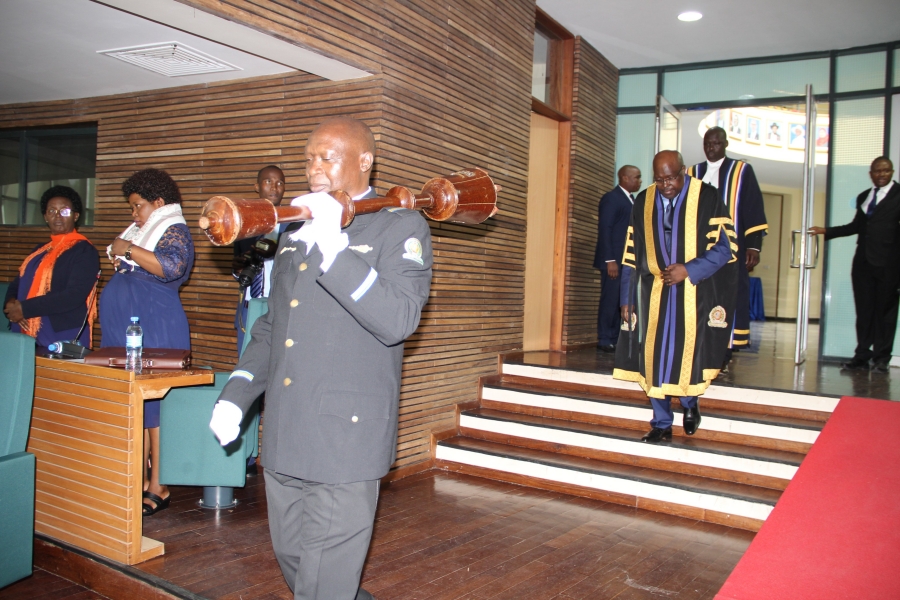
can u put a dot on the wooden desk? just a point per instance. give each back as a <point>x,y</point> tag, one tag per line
<point>87,434</point>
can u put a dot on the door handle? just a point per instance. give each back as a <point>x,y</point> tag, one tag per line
<point>794,234</point>
<point>816,257</point>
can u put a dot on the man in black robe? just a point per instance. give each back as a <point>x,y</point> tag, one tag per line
<point>679,268</point>
<point>739,190</point>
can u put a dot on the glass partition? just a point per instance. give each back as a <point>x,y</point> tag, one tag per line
<point>635,141</point>
<point>746,82</point>
<point>856,72</point>
<point>637,90</point>
<point>857,128</point>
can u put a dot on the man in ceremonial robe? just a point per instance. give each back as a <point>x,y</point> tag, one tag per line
<point>739,190</point>
<point>680,257</point>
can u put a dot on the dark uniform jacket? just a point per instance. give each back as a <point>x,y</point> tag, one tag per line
<point>879,236</point>
<point>329,351</point>
<point>614,214</point>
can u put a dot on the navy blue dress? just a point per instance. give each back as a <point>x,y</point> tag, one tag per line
<point>154,300</point>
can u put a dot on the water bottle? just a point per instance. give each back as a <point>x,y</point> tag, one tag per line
<point>134,344</point>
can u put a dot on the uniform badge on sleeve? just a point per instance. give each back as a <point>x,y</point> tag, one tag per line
<point>413,249</point>
<point>717,317</point>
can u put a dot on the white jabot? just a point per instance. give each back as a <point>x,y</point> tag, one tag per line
<point>712,172</point>
<point>882,192</point>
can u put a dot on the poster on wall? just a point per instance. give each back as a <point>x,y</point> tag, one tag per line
<point>774,134</point>
<point>734,127</point>
<point>753,126</point>
<point>797,136</point>
<point>822,136</point>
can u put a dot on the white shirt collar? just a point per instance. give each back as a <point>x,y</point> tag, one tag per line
<point>715,165</point>
<point>368,189</point>
<point>627,193</point>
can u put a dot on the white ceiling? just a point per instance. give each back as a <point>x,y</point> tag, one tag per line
<point>49,48</point>
<point>643,33</point>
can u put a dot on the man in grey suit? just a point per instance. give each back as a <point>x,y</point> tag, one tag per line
<point>328,356</point>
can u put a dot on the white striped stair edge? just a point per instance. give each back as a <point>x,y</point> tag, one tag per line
<point>730,461</point>
<point>751,425</point>
<point>719,392</point>
<point>598,479</point>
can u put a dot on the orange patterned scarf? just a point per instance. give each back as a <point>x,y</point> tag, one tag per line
<point>43,276</point>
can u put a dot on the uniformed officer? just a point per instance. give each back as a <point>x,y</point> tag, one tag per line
<point>328,356</point>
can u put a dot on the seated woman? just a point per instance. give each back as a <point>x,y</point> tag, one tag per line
<point>51,298</point>
<point>153,258</point>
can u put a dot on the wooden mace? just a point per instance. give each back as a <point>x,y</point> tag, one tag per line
<point>468,196</point>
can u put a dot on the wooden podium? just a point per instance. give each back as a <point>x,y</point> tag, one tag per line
<point>87,434</point>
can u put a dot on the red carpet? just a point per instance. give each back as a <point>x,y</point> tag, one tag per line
<point>835,533</point>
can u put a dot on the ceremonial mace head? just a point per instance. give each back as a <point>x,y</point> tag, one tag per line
<point>468,196</point>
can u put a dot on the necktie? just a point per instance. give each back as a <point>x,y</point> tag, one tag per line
<point>667,221</point>
<point>871,208</point>
<point>258,284</point>
<point>632,198</point>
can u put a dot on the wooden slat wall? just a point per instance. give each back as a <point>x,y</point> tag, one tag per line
<point>452,89</point>
<point>593,162</point>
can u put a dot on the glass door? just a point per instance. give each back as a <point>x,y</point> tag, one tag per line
<point>668,126</point>
<point>801,240</point>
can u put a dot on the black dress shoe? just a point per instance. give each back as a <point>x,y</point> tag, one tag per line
<point>880,367</point>
<point>607,347</point>
<point>691,420</point>
<point>657,435</point>
<point>857,364</point>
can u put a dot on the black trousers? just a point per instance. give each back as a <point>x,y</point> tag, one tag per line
<point>876,298</point>
<point>609,317</point>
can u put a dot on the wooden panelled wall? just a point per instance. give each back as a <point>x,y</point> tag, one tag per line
<point>451,88</point>
<point>593,161</point>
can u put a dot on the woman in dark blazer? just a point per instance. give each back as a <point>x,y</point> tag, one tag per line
<point>50,299</point>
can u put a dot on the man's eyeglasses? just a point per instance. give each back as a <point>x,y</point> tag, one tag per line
<point>669,180</point>
<point>63,212</point>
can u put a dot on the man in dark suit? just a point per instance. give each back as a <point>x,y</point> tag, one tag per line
<point>612,227</point>
<point>269,186</point>
<point>876,271</point>
<point>739,190</point>
<point>328,356</point>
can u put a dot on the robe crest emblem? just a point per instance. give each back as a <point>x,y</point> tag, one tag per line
<point>717,317</point>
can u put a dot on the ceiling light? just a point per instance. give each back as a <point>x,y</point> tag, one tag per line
<point>691,15</point>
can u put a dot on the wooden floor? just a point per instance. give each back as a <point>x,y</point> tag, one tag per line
<point>445,536</point>
<point>47,586</point>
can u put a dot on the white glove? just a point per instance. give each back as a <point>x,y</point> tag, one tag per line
<point>325,227</point>
<point>226,421</point>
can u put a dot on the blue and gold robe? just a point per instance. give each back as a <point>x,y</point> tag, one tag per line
<point>677,343</point>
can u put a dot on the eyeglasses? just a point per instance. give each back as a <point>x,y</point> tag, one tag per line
<point>669,180</point>
<point>63,212</point>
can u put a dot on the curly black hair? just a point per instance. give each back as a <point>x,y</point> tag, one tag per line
<point>151,184</point>
<point>62,191</point>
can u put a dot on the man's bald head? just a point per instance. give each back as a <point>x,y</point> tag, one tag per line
<point>668,173</point>
<point>339,156</point>
<point>630,178</point>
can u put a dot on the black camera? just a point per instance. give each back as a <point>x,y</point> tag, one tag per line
<point>261,250</point>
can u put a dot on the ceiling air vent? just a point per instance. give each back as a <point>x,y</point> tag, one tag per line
<point>172,59</point>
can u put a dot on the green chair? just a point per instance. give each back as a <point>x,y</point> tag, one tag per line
<point>4,322</point>
<point>190,453</point>
<point>16,465</point>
